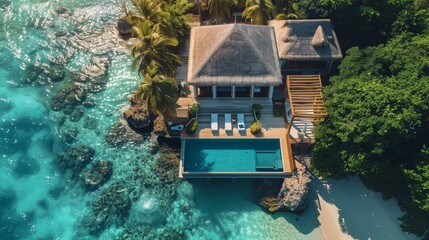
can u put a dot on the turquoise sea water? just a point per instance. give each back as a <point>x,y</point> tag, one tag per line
<point>232,155</point>
<point>38,200</point>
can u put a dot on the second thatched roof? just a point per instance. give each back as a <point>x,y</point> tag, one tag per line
<point>233,54</point>
<point>306,40</point>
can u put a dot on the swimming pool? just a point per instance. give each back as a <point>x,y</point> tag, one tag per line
<point>231,155</point>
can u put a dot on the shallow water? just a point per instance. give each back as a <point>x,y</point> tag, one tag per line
<point>38,201</point>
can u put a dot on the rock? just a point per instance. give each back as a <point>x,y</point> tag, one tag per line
<point>61,10</point>
<point>293,195</point>
<point>77,114</point>
<point>124,28</point>
<point>96,176</point>
<point>69,135</point>
<point>112,206</point>
<point>72,95</point>
<point>159,126</point>
<point>55,73</point>
<point>61,33</point>
<point>167,165</point>
<point>75,158</point>
<point>96,67</point>
<point>121,133</point>
<point>137,115</point>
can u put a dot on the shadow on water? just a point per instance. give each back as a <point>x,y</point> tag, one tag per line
<point>239,195</point>
<point>363,214</point>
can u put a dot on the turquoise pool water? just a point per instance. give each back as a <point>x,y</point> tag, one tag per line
<point>232,155</point>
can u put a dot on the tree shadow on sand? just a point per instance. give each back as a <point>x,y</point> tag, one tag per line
<point>363,214</point>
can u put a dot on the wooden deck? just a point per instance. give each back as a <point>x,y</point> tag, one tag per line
<point>273,127</point>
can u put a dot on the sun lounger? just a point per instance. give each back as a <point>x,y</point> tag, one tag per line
<point>228,124</point>
<point>240,122</point>
<point>214,122</point>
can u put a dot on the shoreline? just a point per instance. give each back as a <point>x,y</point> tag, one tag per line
<point>349,210</point>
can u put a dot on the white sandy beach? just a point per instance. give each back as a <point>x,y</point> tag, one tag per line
<point>349,210</point>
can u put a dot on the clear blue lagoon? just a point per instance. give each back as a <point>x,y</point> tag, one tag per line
<point>47,52</point>
<point>232,155</point>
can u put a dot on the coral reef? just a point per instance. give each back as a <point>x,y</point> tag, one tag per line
<point>167,165</point>
<point>112,206</point>
<point>70,96</point>
<point>293,195</point>
<point>121,133</point>
<point>97,175</point>
<point>75,158</point>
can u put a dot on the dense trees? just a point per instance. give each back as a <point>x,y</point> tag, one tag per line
<point>159,26</point>
<point>378,123</point>
<point>366,22</point>
<point>260,11</point>
<point>159,92</point>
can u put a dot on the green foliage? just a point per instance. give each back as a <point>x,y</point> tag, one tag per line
<point>159,26</point>
<point>365,23</point>
<point>256,110</point>
<point>378,120</point>
<point>256,127</point>
<point>158,91</point>
<point>288,9</point>
<point>192,113</point>
<point>220,9</point>
<point>418,179</point>
<point>259,11</point>
<point>192,126</point>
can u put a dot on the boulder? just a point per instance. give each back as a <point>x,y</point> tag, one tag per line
<point>121,133</point>
<point>55,73</point>
<point>137,116</point>
<point>124,28</point>
<point>159,126</point>
<point>97,175</point>
<point>75,158</point>
<point>72,95</point>
<point>293,195</point>
<point>61,10</point>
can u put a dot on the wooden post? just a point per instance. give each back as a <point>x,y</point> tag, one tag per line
<point>252,91</point>
<point>195,91</point>
<point>271,91</point>
<point>214,91</point>
<point>233,91</point>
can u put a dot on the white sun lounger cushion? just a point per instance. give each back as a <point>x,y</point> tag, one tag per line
<point>214,125</point>
<point>228,124</point>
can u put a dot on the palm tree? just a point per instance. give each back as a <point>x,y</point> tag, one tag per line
<point>289,10</point>
<point>259,11</point>
<point>175,18</point>
<point>159,92</point>
<point>220,9</point>
<point>153,47</point>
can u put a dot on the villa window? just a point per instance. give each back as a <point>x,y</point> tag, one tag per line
<point>223,91</point>
<point>205,92</point>
<point>242,91</point>
<point>261,91</point>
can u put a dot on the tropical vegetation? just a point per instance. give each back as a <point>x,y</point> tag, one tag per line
<point>259,11</point>
<point>159,92</point>
<point>378,124</point>
<point>159,27</point>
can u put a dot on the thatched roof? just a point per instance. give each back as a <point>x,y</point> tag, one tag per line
<point>302,40</point>
<point>233,54</point>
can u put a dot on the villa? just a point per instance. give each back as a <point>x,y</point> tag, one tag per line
<point>231,67</point>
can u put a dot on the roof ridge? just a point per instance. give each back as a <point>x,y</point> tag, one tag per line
<point>252,43</point>
<point>212,52</point>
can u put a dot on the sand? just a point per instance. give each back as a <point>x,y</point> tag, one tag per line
<point>349,210</point>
